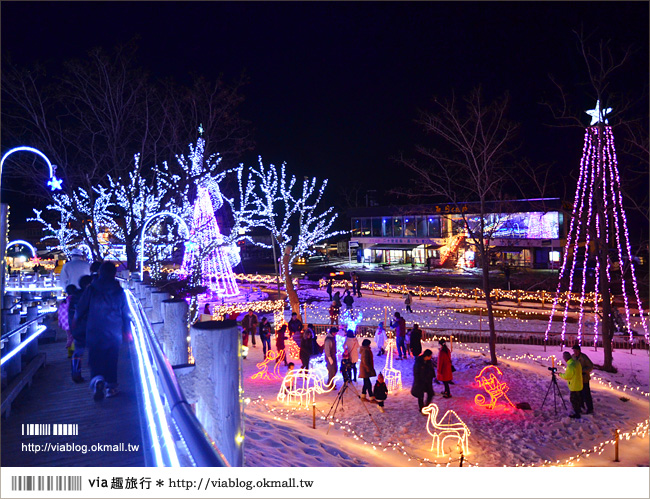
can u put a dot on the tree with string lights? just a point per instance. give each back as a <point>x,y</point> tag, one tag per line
<point>291,214</point>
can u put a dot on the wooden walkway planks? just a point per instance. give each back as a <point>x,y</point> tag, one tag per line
<point>53,398</point>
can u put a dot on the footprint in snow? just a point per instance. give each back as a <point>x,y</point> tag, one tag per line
<point>334,451</point>
<point>307,440</point>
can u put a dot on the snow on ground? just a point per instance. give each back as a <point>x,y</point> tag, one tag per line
<point>282,435</point>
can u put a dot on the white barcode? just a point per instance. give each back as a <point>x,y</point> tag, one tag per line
<point>46,483</point>
<point>50,429</point>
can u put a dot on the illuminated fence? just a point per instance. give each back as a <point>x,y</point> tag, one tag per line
<point>515,295</point>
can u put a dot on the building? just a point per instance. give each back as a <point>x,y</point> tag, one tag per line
<point>526,233</point>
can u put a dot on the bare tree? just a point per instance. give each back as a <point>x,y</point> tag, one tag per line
<point>478,138</point>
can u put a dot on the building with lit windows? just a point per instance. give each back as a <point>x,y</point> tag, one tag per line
<point>526,233</point>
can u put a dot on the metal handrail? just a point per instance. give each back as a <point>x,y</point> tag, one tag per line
<point>8,335</point>
<point>199,445</point>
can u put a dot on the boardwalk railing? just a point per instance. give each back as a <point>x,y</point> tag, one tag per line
<point>172,434</point>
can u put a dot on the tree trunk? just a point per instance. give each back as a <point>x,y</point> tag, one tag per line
<point>294,302</point>
<point>131,256</point>
<point>488,304</point>
<point>607,330</point>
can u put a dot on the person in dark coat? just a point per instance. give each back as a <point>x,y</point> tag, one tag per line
<point>335,310</point>
<point>279,343</point>
<point>249,326</point>
<point>348,300</point>
<point>329,349</point>
<point>295,329</point>
<point>328,288</point>
<point>416,340</point>
<point>380,391</point>
<point>399,324</point>
<point>337,299</point>
<point>265,335</point>
<point>358,285</point>
<point>105,305</point>
<point>444,367</point>
<point>366,369</point>
<point>587,366</point>
<point>306,347</point>
<point>423,374</point>
<point>78,330</point>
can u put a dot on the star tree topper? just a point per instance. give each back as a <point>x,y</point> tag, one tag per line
<point>598,114</point>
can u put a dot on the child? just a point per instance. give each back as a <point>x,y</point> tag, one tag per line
<point>381,391</point>
<point>407,343</point>
<point>279,343</point>
<point>380,339</point>
<point>287,384</point>
<point>408,301</point>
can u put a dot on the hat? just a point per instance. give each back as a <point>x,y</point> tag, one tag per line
<point>76,252</point>
<point>381,324</point>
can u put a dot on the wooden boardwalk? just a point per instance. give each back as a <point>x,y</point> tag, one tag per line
<point>54,399</point>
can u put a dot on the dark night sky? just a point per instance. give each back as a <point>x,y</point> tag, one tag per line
<point>335,87</point>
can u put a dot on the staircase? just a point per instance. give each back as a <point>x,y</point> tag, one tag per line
<point>449,258</point>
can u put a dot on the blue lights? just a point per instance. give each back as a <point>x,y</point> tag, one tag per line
<point>54,183</point>
<point>23,344</point>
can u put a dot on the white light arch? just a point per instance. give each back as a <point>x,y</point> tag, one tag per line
<point>146,224</point>
<point>54,182</point>
<point>20,241</point>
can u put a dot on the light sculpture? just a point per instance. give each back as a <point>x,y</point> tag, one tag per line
<point>496,389</point>
<point>598,176</point>
<point>302,385</point>
<point>146,225</point>
<point>265,371</point>
<point>393,377</point>
<point>24,243</point>
<point>53,182</point>
<point>292,348</point>
<point>450,426</point>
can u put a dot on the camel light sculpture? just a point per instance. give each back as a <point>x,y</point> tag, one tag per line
<point>449,426</point>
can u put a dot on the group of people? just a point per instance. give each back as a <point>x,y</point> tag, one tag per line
<point>577,374</point>
<point>424,373</point>
<point>95,316</point>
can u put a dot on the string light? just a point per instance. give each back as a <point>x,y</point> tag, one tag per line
<point>487,380</point>
<point>449,426</point>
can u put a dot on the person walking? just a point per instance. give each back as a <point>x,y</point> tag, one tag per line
<point>295,329</point>
<point>108,322</point>
<point>423,374</point>
<point>348,300</point>
<point>380,339</point>
<point>416,340</point>
<point>573,375</point>
<point>352,344</point>
<point>587,366</point>
<point>366,369</point>
<point>335,310</point>
<point>444,367</point>
<point>407,301</point>
<point>358,286</point>
<point>279,343</point>
<point>265,335</point>
<point>74,269</point>
<point>328,288</point>
<point>329,349</point>
<point>78,329</point>
<point>250,323</point>
<point>306,347</point>
<point>399,325</point>
<point>380,392</point>
<point>337,298</point>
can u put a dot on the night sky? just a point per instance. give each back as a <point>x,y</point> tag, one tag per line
<point>335,87</point>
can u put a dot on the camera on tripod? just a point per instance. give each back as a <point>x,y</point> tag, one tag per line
<point>552,369</point>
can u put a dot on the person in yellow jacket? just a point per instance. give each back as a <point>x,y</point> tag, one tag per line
<point>573,375</point>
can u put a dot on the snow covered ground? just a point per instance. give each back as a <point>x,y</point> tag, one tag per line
<point>282,435</point>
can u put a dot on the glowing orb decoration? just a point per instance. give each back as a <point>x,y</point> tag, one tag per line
<point>265,372</point>
<point>393,377</point>
<point>449,426</point>
<point>302,385</point>
<point>496,389</point>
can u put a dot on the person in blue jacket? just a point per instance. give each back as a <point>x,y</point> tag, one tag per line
<point>108,320</point>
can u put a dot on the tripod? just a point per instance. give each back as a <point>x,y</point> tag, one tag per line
<point>339,402</point>
<point>556,390</point>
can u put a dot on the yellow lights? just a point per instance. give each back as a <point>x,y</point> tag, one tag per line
<point>393,377</point>
<point>221,312</point>
<point>450,426</point>
<point>487,380</point>
<point>269,374</point>
<point>302,385</point>
<point>292,348</point>
<point>239,438</point>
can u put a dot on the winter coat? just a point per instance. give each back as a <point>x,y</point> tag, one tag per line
<point>353,349</point>
<point>64,320</point>
<point>328,288</point>
<point>444,365</point>
<point>348,300</point>
<point>380,391</point>
<point>423,374</point>
<point>279,339</point>
<point>72,308</point>
<point>573,375</point>
<point>265,330</point>
<point>407,300</point>
<point>587,366</point>
<point>295,325</point>
<point>73,270</point>
<point>337,298</point>
<point>400,326</point>
<point>306,345</point>
<point>416,341</point>
<point>380,337</point>
<point>249,322</point>
<point>367,366</point>
<point>329,349</point>
<point>104,304</point>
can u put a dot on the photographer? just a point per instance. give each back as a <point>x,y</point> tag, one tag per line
<point>573,375</point>
<point>587,367</point>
